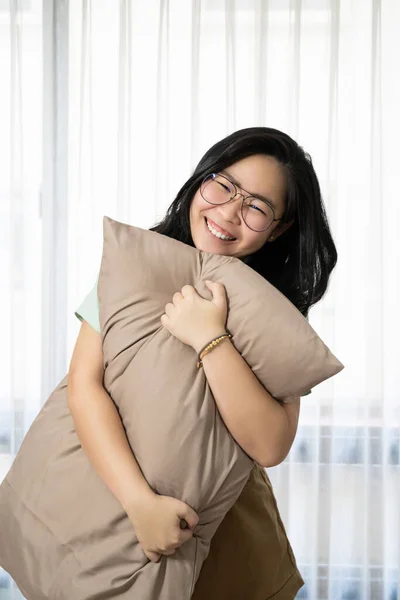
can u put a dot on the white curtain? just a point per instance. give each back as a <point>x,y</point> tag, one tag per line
<point>105,108</point>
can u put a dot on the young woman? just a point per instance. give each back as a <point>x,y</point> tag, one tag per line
<point>255,196</point>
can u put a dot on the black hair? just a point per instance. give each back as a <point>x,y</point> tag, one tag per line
<point>300,261</point>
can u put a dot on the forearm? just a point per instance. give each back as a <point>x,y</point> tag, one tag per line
<point>103,439</point>
<point>255,419</point>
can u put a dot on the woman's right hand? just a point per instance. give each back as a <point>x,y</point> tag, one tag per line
<point>157,522</point>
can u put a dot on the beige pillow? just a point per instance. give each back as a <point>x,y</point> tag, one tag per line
<point>64,535</point>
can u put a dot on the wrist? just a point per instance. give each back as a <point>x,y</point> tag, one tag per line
<point>138,496</point>
<point>207,337</point>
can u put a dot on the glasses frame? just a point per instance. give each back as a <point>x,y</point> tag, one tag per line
<point>237,193</point>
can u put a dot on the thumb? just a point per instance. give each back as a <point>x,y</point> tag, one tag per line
<point>153,556</point>
<point>189,515</point>
<point>218,291</point>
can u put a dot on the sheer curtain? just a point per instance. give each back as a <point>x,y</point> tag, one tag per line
<point>105,109</point>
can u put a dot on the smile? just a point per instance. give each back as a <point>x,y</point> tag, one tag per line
<point>218,234</point>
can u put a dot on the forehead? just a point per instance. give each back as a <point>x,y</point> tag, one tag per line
<point>260,175</point>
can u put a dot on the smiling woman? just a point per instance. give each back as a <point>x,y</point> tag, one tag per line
<point>257,211</point>
<point>247,220</point>
<point>252,196</point>
<point>206,67</point>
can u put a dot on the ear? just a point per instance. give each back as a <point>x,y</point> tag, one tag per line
<point>279,230</point>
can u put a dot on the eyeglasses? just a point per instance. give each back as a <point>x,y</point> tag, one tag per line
<point>257,214</point>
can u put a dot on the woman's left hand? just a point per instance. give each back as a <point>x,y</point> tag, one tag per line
<point>194,320</point>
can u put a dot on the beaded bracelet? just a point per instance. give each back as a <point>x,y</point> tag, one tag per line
<point>210,346</point>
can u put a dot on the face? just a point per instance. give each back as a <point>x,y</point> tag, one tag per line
<point>259,175</point>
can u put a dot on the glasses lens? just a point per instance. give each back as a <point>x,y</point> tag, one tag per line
<point>216,189</point>
<point>257,215</point>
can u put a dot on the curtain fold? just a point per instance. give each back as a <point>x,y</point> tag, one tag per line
<point>106,109</point>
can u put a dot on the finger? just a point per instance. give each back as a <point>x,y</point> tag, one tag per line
<point>177,297</point>
<point>187,290</point>
<point>153,556</point>
<point>169,552</point>
<point>190,516</point>
<point>169,308</point>
<point>218,291</point>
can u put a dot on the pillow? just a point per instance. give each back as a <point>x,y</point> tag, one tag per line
<point>64,535</point>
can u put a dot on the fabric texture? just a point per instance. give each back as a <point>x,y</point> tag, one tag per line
<point>250,555</point>
<point>88,311</point>
<point>64,535</point>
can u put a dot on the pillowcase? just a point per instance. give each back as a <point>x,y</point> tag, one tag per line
<point>64,535</point>
<point>88,311</point>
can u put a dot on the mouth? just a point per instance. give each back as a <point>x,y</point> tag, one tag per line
<point>214,230</point>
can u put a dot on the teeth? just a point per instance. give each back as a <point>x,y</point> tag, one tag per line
<point>218,234</point>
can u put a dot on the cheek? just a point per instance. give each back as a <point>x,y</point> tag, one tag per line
<point>196,207</point>
<point>251,241</point>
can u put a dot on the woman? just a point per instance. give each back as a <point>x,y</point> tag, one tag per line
<point>255,196</point>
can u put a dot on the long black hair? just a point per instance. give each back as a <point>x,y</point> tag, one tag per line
<point>300,261</point>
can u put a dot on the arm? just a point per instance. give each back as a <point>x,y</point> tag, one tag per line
<point>156,518</point>
<point>98,424</point>
<point>263,427</point>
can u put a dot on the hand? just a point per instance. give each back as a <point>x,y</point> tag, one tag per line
<point>195,320</point>
<point>157,522</point>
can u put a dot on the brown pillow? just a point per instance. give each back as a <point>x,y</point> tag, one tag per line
<point>64,535</point>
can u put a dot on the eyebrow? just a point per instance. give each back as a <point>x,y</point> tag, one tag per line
<point>264,198</point>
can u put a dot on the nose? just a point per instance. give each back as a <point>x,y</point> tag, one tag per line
<point>231,211</point>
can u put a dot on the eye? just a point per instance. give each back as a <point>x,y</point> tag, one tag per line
<point>257,208</point>
<point>225,187</point>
